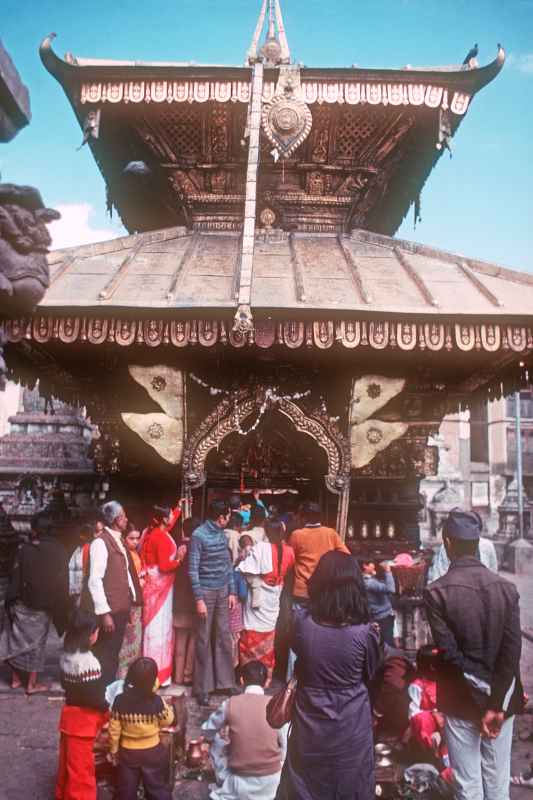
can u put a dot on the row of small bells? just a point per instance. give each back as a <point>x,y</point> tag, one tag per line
<point>374,530</point>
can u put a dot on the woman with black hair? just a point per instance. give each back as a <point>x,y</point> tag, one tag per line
<point>85,709</point>
<point>161,559</point>
<point>331,752</point>
<point>137,717</point>
<point>265,569</point>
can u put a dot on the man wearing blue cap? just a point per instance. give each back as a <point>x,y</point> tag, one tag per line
<point>475,621</point>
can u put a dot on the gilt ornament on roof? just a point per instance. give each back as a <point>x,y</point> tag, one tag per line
<point>286,119</point>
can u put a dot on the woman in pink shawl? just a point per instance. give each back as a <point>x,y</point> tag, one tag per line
<point>161,557</point>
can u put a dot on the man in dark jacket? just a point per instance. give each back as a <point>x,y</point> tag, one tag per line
<point>475,620</point>
<point>37,596</point>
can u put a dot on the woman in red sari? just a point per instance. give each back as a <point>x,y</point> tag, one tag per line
<point>265,569</point>
<point>161,557</point>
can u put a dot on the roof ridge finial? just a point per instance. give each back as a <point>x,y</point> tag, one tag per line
<point>275,49</point>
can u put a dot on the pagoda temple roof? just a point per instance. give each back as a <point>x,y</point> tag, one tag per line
<point>72,71</point>
<point>371,274</point>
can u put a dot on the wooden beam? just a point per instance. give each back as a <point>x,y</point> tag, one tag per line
<point>111,286</point>
<point>480,286</point>
<point>250,203</point>
<point>185,256</point>
<point>366,297</point>
<point>297,269</point>
<point>415,277</point>
<point>63,267</point>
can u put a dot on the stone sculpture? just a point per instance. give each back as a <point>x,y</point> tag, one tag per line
<point>24,243</point>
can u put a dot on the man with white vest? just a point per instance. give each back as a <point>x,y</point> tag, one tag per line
<point>113,587</point>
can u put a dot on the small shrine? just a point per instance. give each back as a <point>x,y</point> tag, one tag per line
<point>46,454</point>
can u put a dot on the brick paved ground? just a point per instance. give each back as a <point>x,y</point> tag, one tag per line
<point>28,728</point>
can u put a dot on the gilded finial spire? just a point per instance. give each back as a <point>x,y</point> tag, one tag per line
<point>275,50</point>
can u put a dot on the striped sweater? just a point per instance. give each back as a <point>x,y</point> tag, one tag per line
<point>210,564</point>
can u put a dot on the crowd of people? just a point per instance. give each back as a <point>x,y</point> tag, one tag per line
<point>247,596</point>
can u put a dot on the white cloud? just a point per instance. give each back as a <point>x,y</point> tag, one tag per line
<point>74,227</point>
<point>523,62</point>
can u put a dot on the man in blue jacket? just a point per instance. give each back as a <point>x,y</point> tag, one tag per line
<point>379,595</point>
<point>211,573</point>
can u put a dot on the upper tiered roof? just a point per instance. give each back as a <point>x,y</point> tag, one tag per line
<point>172,138</point>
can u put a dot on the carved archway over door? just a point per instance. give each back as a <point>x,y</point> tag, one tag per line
<point>233,412</point>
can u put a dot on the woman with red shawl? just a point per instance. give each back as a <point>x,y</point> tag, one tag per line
<point>161,558</point>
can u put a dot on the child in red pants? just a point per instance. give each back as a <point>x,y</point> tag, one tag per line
<point>84,712</point>
<point>426,723</point>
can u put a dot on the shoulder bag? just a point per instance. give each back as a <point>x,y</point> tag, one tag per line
<point>280,706</point>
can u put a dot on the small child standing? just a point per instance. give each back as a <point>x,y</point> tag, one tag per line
<point>137,717</point>
<point>84,712</point>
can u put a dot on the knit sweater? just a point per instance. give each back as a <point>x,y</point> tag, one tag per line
<point>210,564</point>
<point>136,721</point>
<point>81,678</point>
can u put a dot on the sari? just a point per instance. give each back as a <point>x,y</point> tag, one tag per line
<point>133,635</point>
<point>159,555</point>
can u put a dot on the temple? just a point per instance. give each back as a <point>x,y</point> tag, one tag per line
<point>261,326</point>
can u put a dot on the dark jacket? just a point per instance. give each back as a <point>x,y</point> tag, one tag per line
<point>474,617</point>
<point>40,579</point>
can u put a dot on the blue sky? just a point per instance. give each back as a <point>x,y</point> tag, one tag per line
<point>479,203</point>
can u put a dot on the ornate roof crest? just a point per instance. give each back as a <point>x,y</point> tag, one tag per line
<point>286,119</point>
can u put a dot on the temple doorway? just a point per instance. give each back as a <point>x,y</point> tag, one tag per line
<point>274,447</point>
<point>287,466</point>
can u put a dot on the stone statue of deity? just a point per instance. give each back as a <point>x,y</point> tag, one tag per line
<point>24,243</point>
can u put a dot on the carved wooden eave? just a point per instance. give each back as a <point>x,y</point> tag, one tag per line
<point>99,81</point>
<point>367,297</point>
<point>374,138</point>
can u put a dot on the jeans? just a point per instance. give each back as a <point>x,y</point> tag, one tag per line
<point>481,767</point>
<point>213,664</point>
